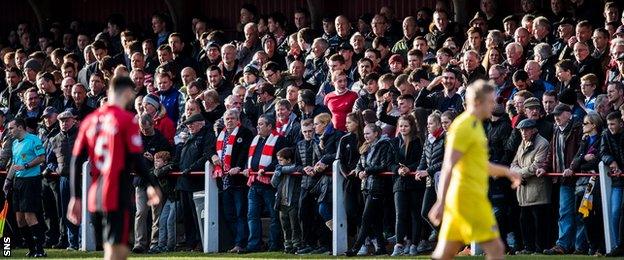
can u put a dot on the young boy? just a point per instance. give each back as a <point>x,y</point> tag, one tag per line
<point>167,220</point>
<point>308,153</point>
<point>610,149</point>
<point>287,197</point>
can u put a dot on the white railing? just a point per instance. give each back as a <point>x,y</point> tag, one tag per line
<point>210,224</point>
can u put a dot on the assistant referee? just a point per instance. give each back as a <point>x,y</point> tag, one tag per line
<point>25,180</point>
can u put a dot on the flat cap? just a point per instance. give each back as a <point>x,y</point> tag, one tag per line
<point>526,123</point>
<point>194,118</point>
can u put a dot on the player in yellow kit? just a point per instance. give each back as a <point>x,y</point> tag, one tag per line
<point>463,207</point>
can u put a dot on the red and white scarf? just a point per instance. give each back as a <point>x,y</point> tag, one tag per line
<point>281,128</point>
<point>265,159</point>
<point>225,155</point>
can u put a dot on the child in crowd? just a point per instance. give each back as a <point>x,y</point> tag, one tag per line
<point>288,187</point>
<point>167,222</point>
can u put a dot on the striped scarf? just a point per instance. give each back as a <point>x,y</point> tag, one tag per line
<point>225,156</point>
<point>265,159</point>
<point>282,128</point>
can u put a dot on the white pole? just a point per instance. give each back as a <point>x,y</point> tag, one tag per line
<point>87,233</point>
<point>339,218</point>
<point>605,196</point>
<point>211,212</point>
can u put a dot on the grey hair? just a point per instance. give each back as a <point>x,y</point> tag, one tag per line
<point>544,50</point>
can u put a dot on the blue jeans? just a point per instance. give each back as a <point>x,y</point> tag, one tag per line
<point>325,210</point>
<point>616,208</point>
<point>166,226</point>
<point>235,210</point>
<point>73,232</point>
<point>571,228</point>
<point>262,197</point>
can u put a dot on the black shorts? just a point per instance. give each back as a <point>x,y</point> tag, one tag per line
<point>27,194</point>
<point>113,227</point>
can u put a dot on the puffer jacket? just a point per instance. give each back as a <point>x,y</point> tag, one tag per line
<point>308,153</point>
<point>432,157</point>
<point>379,158</point>
<point>611,150</point>
<point>329,147</point>
<point>530,157</point>
<point>288,185</point>
<point>192,155</point>
<point>62,145</point>
<point>409,157</point>
<point>497,133</point>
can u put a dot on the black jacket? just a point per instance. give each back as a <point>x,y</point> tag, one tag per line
<point>348,155</point>
<point>191,156</point>
<point>365,101</point>
<point>409,157</point>
<point>438,101</point>
<point>497,133</point>
<point>166,182</point>
<point>308,153</point>
<point>62,145</point>
<point>55,100</point>
<point>612,150</point>
<point>240,152</point>
<point>328,147</point>
<point>379,158</point>
<point>432,157</point>
<point>152,144</point>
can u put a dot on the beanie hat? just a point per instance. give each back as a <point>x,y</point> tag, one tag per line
<point>152,100</point>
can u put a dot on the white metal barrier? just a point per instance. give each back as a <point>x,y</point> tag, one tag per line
<point>87,232</point>
<point>605,195</point>
<point>210,213</point>
<point>339,214</point>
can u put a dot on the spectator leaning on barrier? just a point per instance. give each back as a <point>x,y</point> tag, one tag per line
<point>261,194</point>
<point>534,193</point>
<point>586,160</point>
<point>229,163</point>
<point>611,152</point>
<point>153,142</point>
<point>563,147</point>
<point>62,145</point>
<point>191,155</point>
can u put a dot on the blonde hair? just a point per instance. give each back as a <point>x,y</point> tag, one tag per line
<point>478,91</point>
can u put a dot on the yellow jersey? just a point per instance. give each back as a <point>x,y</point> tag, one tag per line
<point>468,214</point>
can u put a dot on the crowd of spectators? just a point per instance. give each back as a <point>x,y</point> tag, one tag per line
<point>274,105</point>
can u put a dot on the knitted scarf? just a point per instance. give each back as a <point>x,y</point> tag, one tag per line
<point>225,155</point>
<point>265,159</point>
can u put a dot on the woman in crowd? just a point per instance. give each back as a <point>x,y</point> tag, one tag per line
<point>348,155</point>
<point>377,156</point>
<point>328,145</point>
<point>586,160</point>
<point>407,190</point>
<point>428,169</point>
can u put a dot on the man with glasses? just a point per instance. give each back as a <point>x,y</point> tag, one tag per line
<point>503,88</point>
<point>262,101</point>
<point>273,74</point>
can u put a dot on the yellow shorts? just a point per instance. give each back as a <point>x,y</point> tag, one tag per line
<point>472,220</point>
